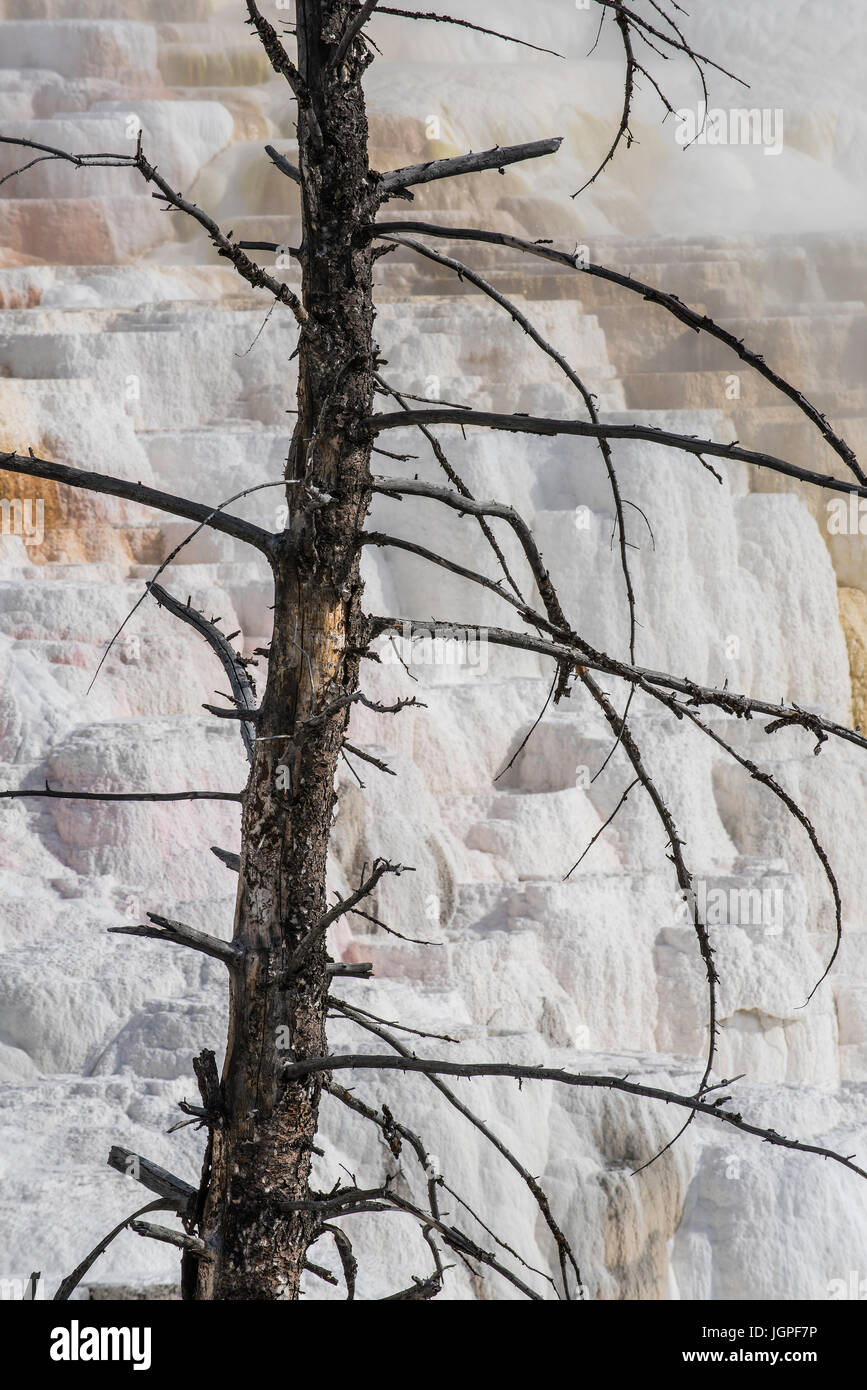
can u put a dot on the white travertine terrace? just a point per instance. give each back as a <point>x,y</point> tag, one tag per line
<point>126,346</point>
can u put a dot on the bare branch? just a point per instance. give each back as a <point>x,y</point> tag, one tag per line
<point>50,794</point>
<point>455,479</point>
<point>675,843</point>
<point>427,1067</point>
<point>228,857</point>
<point>347,1258</point>
<point>177,1195</point>
<point>245,492</point>
<point>465,24</point>
<point>32,467</point>
<point>359,970</point>
<point>533,727</point>
<point>623,132</point>
<point>412,487</point>
<point>248,715</point>
<point>581,653</point>
<point>680,45</point>
<point>291,172</point>
<point>239,679</point>
<point>320,1271</point>
<point>71,1282</point>
<point>496,158</point>
<point>368,758</point>
<point>318,930</point>
<point>464,272</point>
<point>699,323</point>
<point>247,269</point>
<point>417,1292</point>
<point>495,585</point>
<point>178,934</point>
<point>353,28</point>
<point>167,1236</point>
<point>535,424</point>
<point>277,55</point>
<point>602,828</point>
<point>767,780</point>
<point>357,697</point>
<point>564,1249</point>
<point>352,1202</point>
<point>339,1004</point>
<point>394,1133</point>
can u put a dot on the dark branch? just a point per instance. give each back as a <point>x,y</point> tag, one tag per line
<point>239,679</point>
<point>428,1067</point>
<point>347,1258</point>
<point>167,1236</point>
<point>359,970</point>
<point>368,758</point>
<point>353,28</point>
<point>603,827</point>
<point>495,585</point>
<point>277,55</point>
<point>227,857</point>
<point>51,794</point>
<point>178,934</point>
<point>413,487</point>
<point>178,1195</point>
<point>291,172</point>
<point>699,323</point>
<point>351,1202</point>
<point>581,653</point>
<point>564,1250</point>
<point>675,843</point>
<point>535,424</point>
<point>623,132</point>
<point>465,24</point>
<point>496,158</point>
<point>247,269</point>
<point>71,1282</point>
<point>767,780</point>
<point>32,467</point>
<point>465,272</point>
<point>455,479</point>
<point>318,930</point>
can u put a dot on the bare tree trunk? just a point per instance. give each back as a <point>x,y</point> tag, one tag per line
<point>261,1155</point>
<point>250,1224</point>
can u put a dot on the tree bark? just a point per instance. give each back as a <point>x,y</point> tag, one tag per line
<point>260,1154</point>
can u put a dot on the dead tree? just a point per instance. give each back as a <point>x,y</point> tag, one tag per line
<point>249,1227</point>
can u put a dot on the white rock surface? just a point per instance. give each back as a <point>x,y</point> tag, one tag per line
<point>125,348</point>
